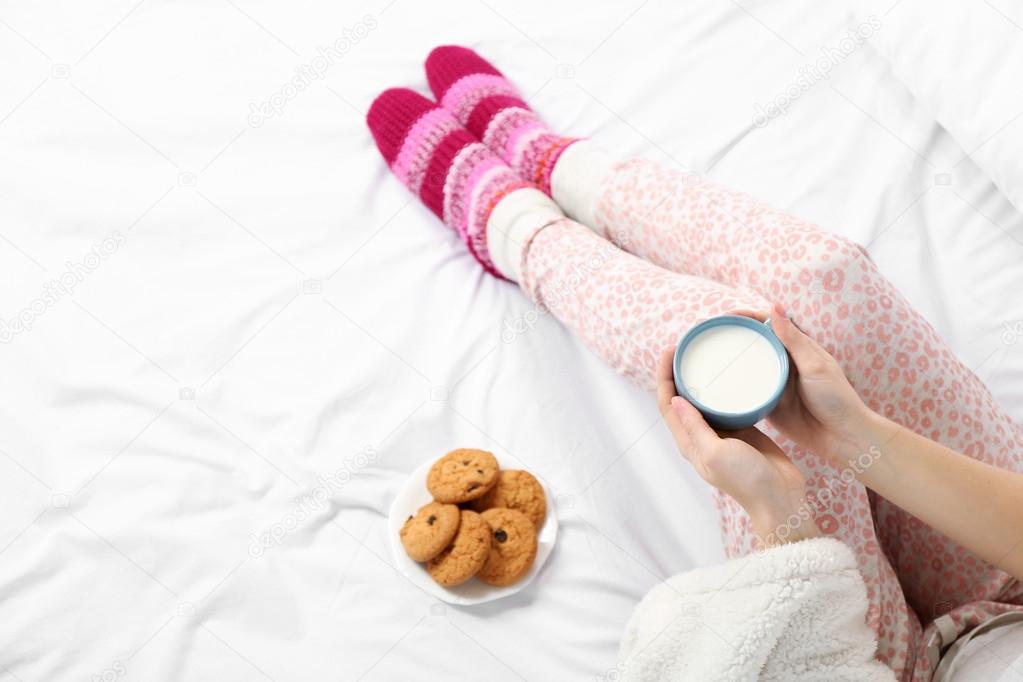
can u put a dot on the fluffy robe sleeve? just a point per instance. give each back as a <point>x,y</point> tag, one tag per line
<point>794,612</point>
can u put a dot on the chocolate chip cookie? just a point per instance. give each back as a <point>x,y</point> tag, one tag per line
<point>462,475</point>
<point>465,556</point>
<point>519,490</point>
<point>513,547</point>
<point>426,534</point>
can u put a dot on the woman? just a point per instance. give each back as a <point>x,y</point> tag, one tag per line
<point>862,475</point>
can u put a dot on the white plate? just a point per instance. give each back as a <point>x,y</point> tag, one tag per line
<point>413,496</point>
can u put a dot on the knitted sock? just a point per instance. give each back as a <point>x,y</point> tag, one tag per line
<point>454,175</point>
<point>493,110</point>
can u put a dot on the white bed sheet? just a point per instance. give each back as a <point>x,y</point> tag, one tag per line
<point>279,334</point>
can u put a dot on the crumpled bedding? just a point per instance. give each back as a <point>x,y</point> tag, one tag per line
<point>228,334</point>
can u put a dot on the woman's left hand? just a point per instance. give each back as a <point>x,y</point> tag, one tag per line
<point>819,410</point>
<point>747,465</point>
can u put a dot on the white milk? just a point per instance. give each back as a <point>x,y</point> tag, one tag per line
<point>729,368</point>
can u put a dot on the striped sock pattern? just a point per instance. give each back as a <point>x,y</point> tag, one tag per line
<point>490,107</point>
<point>451,171</point>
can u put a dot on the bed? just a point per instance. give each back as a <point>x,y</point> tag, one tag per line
<point>229,335</point>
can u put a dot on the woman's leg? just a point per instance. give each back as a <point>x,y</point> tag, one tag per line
<point>833,290</point>
<point>627,311</point>
<point>830,287</point>
<point>688,224</point>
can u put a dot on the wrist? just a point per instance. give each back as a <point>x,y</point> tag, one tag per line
<point>780,519</point>
<point>773,530</point>
<point>853,435</point>
<point>862,443</point>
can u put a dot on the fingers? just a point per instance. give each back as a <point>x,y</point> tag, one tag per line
<point>756,438</point>
<point>666,379</point>
<point>801,347</point>
<point>789,394</point>
<point>686,423</point>
<point>758,315</point>
<point>665,392</point>
<point>695,434</point>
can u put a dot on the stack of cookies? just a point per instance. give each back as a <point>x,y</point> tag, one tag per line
<point>483,521</point>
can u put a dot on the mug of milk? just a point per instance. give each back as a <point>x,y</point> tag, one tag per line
<point>733,369</point>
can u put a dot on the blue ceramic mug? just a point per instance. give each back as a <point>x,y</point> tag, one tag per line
<point>732,421</point>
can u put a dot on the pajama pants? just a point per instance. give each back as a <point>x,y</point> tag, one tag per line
<point>674,249</point>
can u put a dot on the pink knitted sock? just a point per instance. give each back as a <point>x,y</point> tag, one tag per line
<point>493,110</point>
<point>454,175</point>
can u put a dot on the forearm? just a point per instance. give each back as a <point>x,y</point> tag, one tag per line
<point>977,505</point>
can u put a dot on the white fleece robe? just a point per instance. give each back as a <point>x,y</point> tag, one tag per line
<point>794,612</point>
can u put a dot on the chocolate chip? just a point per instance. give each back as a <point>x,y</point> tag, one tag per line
<point>410,517</point>
<point>473,486</point>
<point>479,471</point>
<point>465,462</point>
<point>430,520</point>
<point>500,535</point>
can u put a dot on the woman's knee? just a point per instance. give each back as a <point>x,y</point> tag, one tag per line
<point>832,264</point>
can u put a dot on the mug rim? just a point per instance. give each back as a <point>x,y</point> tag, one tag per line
<point>762,328</point>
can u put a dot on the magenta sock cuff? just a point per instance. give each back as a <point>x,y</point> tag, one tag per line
<point>492,109</point>
<point>453,173</point>
<point>553,156</point>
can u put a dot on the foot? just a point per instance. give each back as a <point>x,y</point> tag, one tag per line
<point>490,107</point>
<point>452,173</point>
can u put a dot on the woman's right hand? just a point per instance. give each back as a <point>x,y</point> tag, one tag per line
<point>819,410</point>
<point>746,465</point>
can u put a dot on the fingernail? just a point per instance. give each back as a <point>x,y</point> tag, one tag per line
<point>678,405</point>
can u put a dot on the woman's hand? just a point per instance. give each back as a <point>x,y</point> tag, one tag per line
<point>819,410</point>
<point>745,464</point>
